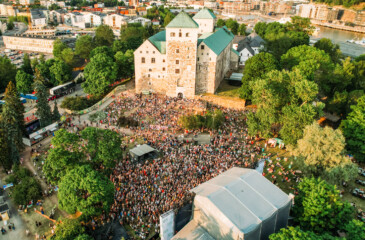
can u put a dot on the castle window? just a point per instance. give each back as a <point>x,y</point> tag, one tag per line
<point>177,70</point>
<point>202,47</point>
<point>143,60</point>
<point>148,75</point>
<point>163,69</point>
<point>140,51</point>
<point>163,60</point>
<point>180,34</point>
<point>186,34</point>
<point>153,60</point>
<point>172,34</point>
<point>150,70</point>
<point>146,51</point>
<point>198,59</point>
<point>177,62</point>
<point>177,51</point>
<point>153,52</point>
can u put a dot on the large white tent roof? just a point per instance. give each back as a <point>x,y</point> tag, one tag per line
<point>142,150</point>
<point>243,196</point>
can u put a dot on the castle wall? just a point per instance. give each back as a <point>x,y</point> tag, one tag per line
<point>205,25</point>
<point>181,48</point>
<point>150,76</point>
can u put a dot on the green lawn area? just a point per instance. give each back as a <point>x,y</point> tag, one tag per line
<point>227,90</point>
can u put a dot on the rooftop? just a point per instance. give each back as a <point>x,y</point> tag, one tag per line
<point>204,14</point>
<point>218,40</point>
<point>159,41</point>
<point>182,20</point>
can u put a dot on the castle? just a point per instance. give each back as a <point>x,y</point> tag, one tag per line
<point>190,57</point>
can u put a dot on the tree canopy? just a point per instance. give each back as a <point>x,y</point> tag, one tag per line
<point>353,129</point>
<point>84,45</point>
<point>318,207</point>
<point>104,36</point>
<point>44,112</point>
<point>68,229</point>
<point>7,72</point>
<point>24,82</point>
<point>84,189</point>
<point>99,73</point>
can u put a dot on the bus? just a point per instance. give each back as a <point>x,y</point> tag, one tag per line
<point>62,90</point>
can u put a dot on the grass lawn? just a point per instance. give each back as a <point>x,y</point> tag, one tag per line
<point>227,90</point>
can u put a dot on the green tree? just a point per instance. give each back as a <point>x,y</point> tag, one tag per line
<point>27,190</point>
<point>27,67</point>
<point>60,71</point>
<point>294,119</point>
<point>58,47</point>
<point>99,73</point>
<point>84,237</point>
<point>10,25</point>
<point>102,50</point>
<point>125,63</point>
<point>322,148</point>
<point>133,36</point>
<point>242,29</point>
<point>68,56</point>
<point>355,230</point>
<point>60,161</point>
<point>5,158</point>
<point>24,82</point>
<point>103,146</point>
<point>256,67</point>
<point>221,23</point>
<point>68,229</point>
<point>119,46</point>
<point>318,207</point>
<point>65,140</point>
<point>12,119</point>
<point>7,72</point>
<point>168,18</point>
<point>43,109</point>
<point>56,114</point>
<point>104,36</point>
<point>85,190</point>
<point>353,129</point>
<point>84,45</point>
<point>293,233</point>
<point>232,25</point>
<point>313,63</point>
<point>300,24</point>
<point>333,50</point>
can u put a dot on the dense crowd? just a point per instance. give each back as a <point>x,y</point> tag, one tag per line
<point>145,190</point>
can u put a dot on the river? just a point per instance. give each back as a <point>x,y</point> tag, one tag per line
<point>340,37</point>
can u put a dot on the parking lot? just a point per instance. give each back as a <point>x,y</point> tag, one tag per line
<point>16,56</point>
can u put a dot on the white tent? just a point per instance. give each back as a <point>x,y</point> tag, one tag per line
<point>239,204</point>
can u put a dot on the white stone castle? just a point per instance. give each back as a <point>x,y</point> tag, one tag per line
<point>190,57</point>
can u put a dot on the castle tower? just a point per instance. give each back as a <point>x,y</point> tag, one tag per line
<point>206,20</point>
<point>181,53</point>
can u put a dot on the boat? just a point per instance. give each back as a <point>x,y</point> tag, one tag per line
<point>360,42</point>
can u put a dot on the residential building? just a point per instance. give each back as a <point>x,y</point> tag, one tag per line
<point>141,20</point>
<point>238,204</point>
<point>75,19</point>
<point>186,59</point>
<point>93,19</point>
<point>26,2</point>
<point>30,43</point>
<point>115,20</point>
<point>39,17</point>
<point>57,16</point>
<point>248,47</point>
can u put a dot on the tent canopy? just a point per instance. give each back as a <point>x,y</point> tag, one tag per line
<point>141,150</point>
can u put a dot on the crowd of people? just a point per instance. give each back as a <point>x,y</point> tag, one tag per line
<point>145,190</point>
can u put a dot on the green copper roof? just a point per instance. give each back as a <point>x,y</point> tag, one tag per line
<point>217,41</point>
<point>182,20</point>
<point>234,51</point>
<point>159,41</point>
<point>204,14</point>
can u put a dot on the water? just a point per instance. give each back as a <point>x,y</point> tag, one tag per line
<point>340,37</point>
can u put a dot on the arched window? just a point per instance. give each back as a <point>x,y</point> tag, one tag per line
<point>187,35</point>
<point>172,34</point>
<point>143,60</point>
